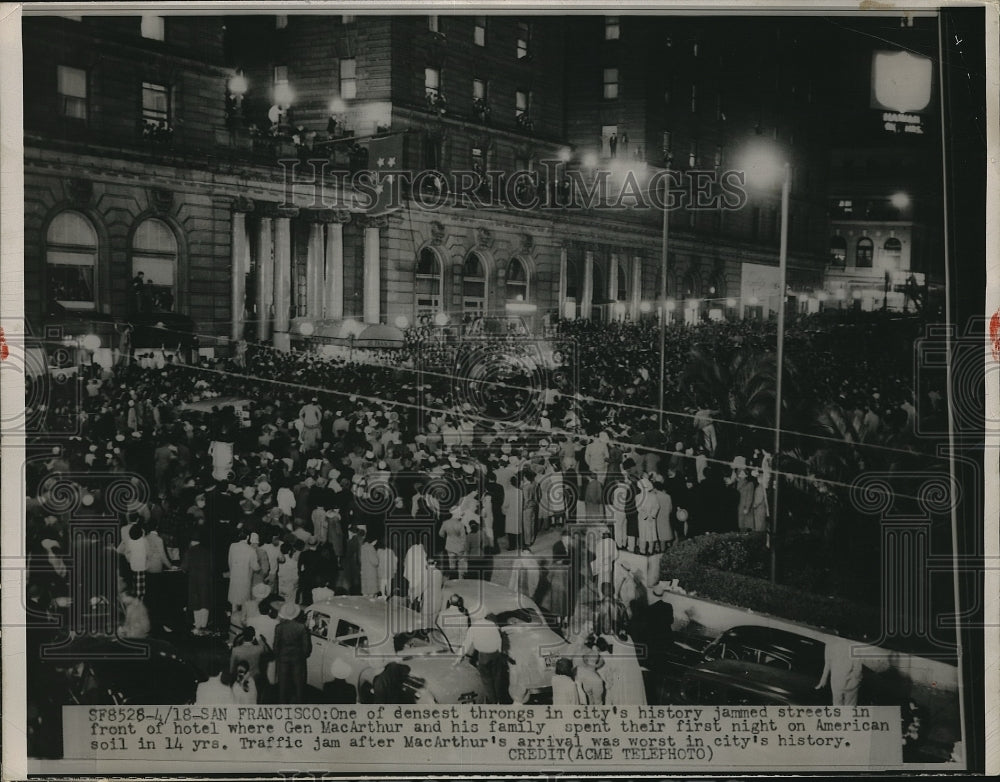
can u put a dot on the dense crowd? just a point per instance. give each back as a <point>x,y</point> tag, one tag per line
<point>272,480</point>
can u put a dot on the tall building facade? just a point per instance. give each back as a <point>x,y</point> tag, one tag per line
<point>216,157</point>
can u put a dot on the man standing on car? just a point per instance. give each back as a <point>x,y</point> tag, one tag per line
<point>483,638</point>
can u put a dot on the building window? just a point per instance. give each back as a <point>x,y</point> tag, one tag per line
<point>693,155</point>
<point>517,280</point>
<point>348,78</point>
<point>612,28</point>
<point>71,86</point>
<point>477,160</point>
<point>155,105</point>
<point>718,157</point>
<point>479,90</point>
<point>611,83</point>
<point>71,261</point>
<point>474,285</point>
<point>154,255</point>
<point>865,253</point>
<point>479,31</point>
<point>432,82</point>
<point>694,98</point>
<point>434,23</point>
<point>892,252</point>
<point>622,282</point>
<point>429,284</point>
<point>523,39</point>
<point>152,27</point>
<point>845,207</point>
<point>281,21</point>
<point>694,49</point>
<point>838,251</point>
<point>522,104</point>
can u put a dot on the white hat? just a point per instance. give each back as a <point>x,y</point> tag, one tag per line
<point>289,611</point>
<point>260,591</point>
<point>340,669</point>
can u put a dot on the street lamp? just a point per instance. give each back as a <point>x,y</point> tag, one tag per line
<point>765,166</point>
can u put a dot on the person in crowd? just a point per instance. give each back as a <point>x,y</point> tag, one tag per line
<point>136,621</point>
<point>843,670</point>
<point>292,647</point>
<point>244,686</point>
<point>197,564</point>
<point>513,511</point>
<point>605,556</point>
<point>351,565</point>
<point>370,586</point>
<point>588,678</point>
<point>242,564</point>
<point>565,690</point>
<point>387,564</point>
<point>454,533</point>
<point>217,690</point>
<point>135,549</point>
<point>454,621</point>
<point>288,570</point>
<point>338,688</point>
<point>484,640</point>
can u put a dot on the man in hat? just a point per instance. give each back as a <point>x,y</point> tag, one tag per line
<point>292,647</point>
<point>311,416</point>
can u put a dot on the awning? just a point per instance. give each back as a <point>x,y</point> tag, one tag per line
<point>380,335</point>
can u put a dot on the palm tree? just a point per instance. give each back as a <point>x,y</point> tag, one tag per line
<point>739,391</point>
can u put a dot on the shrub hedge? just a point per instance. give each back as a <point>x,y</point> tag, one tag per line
<point>734,568</point>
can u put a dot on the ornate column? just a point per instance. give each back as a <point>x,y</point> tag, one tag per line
<point>265,276</point>
<point>373,268</point>
<point>563,270</point>
<point>314,265</point>
<point>240,248</point>
<point>613,285</point>
<point>636,290</point>
<point>333,292</point>
<point>283,276</point>
<point>587,297</point>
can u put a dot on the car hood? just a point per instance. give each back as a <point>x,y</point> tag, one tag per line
<point>446,683</point>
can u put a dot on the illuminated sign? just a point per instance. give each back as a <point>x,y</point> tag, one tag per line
<point>895,122</point>
<point>901,81</point>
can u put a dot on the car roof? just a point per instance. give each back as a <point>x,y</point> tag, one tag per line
<point>371,612</point>
<point>759,677</point>
<point>762,634</point>
<point>495,598</point>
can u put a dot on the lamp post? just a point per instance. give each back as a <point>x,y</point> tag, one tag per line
<point>786,187</point>
<point>663,278</point>
<point>765,162</point>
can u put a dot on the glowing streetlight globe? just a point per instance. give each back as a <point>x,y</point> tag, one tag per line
<point>671,305</point>
<point>91,342</point>
<point>754,301</point>
<point>238,84</point>
<point>337,106</point>
<point>645,306</point>
<point>590,160</point>
<point>565,154</point>
<point>306,328</point>
<point>840,294</point>
<point>441,319</point>
<point>899,200</point>
<point>730,302</point>
<point>401,322</point>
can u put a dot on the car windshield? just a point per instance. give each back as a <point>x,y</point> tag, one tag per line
<point>518,617</point>
<point>808,661</point>
<point>424,638</point>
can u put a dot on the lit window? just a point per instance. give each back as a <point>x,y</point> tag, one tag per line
<point>694,49</point>
<point>473,285</point>
<point>479,32</point>
<point>610,83</point>
<point>154,253</point>
<point>280,75</point>
<point>429,283</point>
<point>155,104</point>
<point>434,23</point>
<point>71,86</point>
<point>694,98</point>
<point>892,252</point>
<point>432,82</point>
<point>846,207</point>
<point>71,261</point>
<point>517,280</point>
<point>523,40</point>
<point>478,89</point>
<point>152,27</point>
<point>281,21</point>
<point>693,155</point>
<point>477,160</point>
<point>612,28</point>
<point>348,78</point>
<point>522,104</point>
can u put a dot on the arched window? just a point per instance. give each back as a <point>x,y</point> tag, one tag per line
<point>838,251</point>
<point>864,253</point>
<point>474,285</point>
<point>154,256</point>
<point>571,282</point>
<point>517,280</point>
<point>716,288</point>
<point>429,283</point>
<point>71,261</point>
<point>689,286</point>
<point>622,282</point>
<point>893,252</point>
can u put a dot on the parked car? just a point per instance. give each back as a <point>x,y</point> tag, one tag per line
<point>754,664</point>
<point>532,646</point>
<point>368,633</point>
<point>736,682</point>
